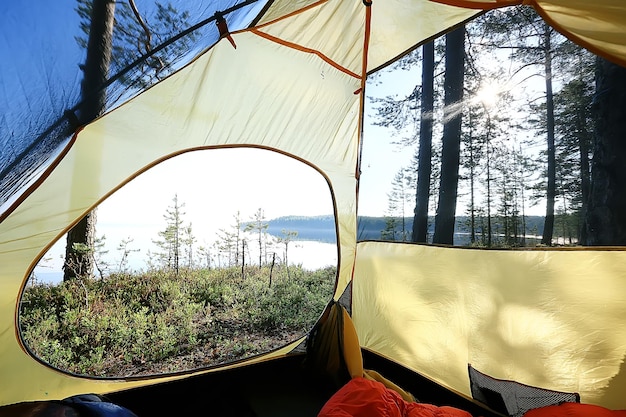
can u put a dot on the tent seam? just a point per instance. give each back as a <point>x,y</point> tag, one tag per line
<point>307,50</point>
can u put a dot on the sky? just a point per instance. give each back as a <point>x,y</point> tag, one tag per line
<point>213,186</point>
<point>381,159</point>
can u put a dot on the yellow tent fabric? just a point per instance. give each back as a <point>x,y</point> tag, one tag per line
<point>397,26</point>
<point>546,318</point>
<point>293,86</point>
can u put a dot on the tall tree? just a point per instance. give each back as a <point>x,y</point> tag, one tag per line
<point>260,226</point>
<point>112,42</point>
<point>574,130</point>
<point>424,168</point>
<point>81,238</point>
<point>574,142</point>
<point>548,227</point>
<point>176,240</point>
<point>398,199</point>
<point>412,116</point>
<point>606,215</point>
<point>471,165</point>
<point>534,44</point>
<point>451,146</point>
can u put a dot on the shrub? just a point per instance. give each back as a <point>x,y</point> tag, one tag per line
<point>140,323</point>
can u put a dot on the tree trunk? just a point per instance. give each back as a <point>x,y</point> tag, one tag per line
<point>585,177</point>
<point>489,229</point>
<point>548,227</point>
<point>606,214</point>
<point>472,177</point>
<point>420,220</point>
<point>450,155</point>
<point>81,239</point>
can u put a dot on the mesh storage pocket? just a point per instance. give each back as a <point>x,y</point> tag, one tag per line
<point>513,398</point>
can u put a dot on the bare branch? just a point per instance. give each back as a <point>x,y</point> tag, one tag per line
<point>148,41</point>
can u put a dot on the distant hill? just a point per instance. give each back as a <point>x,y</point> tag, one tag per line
<point>322,228</point>
<point>318,228</point>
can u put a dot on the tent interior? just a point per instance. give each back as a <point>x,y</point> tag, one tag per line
<point>488,331</point>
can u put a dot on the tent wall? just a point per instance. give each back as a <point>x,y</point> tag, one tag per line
<point>547,318</point>
<point>205,105</point>
<point>293,86</point>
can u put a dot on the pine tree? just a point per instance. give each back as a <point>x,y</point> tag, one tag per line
<point>424,163</point>
<point>111,43</point>
<point>287,237</point>
<point>606,216</point>
<point>175,238</point>
<point>574,129</point>
<point>230,242</point>
<point>81,238</point>
<point>533,43</point>
<point>451,141</point>
<point>260,226</point>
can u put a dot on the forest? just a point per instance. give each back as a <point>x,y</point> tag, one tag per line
<point>500,123</point>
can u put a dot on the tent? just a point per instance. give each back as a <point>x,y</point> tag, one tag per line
<point>545,318</point>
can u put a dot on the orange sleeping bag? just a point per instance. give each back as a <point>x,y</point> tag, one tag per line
<point>362,397</point>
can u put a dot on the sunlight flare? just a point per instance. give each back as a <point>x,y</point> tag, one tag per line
<point>488,94</point>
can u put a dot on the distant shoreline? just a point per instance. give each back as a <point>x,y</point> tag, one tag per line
<point>322,228</point>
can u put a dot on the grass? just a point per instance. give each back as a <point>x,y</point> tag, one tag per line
<point>140,324</point>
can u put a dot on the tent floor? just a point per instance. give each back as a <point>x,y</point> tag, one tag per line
<point>277,388</point>
<point>280,387</point>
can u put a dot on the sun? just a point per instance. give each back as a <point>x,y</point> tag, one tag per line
<point>488,94</point>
